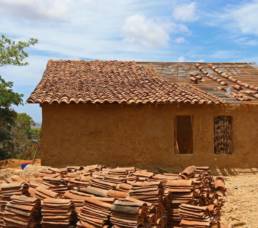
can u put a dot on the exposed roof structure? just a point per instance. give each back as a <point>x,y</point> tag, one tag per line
<point>112,82</point>
<point>234,83</point>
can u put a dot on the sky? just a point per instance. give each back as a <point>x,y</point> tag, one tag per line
<point>149,30</point>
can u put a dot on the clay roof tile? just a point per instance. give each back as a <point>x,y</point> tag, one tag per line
<point>111,82</point>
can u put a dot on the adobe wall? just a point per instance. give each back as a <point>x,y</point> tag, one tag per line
<point>142,135</point>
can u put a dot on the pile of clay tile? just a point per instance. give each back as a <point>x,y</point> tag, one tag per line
<point>22,211</point>
<point>151,192</point>
<point>56,184</point>
<point>208,197</point>
<point>178,191</point>
<point>7,190</point>
<point>194,216</point>
<point>95,213</point>
<point>129,213</point>
<point>43,192</point>
<point>98,196</point>
<point>56,213</point>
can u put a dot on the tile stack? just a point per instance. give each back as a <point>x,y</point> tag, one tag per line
<point>56,213</point>
<point>49,171</point>
<point>121,171</point>
<point>14,188</point>
<point>129,213</point>
<point>177,192</point>
<point>103,184</point>
<point>56,184</point>
<point>124,187</point>
<point>2,207</point>
<point>22,211</point>
<point>77,180</point>
<point>42,192</point>
<point>80,177</point>
<point>6,191</point>
<point>143,175</point>
<point>194,216</point>
<point>109,178</point>
<point>130,196</point>
<point>77,199</point>
<point>150,192</point>
<point>95,191</point>
<point>119,175</point>
<point>207,192</point>
<point>95,213</point>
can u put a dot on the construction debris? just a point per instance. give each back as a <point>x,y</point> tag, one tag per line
<point>97,196</point>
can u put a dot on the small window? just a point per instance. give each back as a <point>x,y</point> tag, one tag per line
<point>223,135</point>
<point>184,135</point>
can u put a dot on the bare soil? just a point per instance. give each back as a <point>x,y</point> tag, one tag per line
<point>241,206</point>
<point>15,163</point>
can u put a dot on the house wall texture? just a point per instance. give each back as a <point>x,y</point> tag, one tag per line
<point>142,135</point>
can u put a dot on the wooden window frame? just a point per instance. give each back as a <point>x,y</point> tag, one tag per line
<point>176,147</point>
<point>231,148</point>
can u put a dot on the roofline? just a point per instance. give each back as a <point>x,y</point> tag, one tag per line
<point>167,62</point>
<point>146,61</point>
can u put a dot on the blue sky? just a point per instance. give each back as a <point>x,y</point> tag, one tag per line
<point>157,30</point>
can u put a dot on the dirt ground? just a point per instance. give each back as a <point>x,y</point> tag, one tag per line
<point>241,206</point>
<point>15,163</point>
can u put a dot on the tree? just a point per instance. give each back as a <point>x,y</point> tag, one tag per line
<point>11,53</point>
<point>24,136</point>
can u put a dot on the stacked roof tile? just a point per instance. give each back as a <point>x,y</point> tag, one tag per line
<point>95,213</point>
<point>22,211</point>
<point>56,213</point>
<point>112,82</point>
<point>233,83</point>
<point>192,198</point>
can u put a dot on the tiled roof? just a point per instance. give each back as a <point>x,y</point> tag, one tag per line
<point>234,83</point>
<point>112,82</point>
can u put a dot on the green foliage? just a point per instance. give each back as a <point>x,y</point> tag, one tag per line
<point>7,96</point>
<point>11,52</point>
<point>7,115</point>
<point>24,137</point>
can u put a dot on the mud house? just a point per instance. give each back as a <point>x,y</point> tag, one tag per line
<point>148,114</point>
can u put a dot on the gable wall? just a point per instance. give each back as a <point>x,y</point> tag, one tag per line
<point>142,135</point>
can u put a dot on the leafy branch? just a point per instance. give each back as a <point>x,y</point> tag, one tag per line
<point>12,52</point>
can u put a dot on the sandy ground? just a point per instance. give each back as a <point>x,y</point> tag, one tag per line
<point>241,206</point>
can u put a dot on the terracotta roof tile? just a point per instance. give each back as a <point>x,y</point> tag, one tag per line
<point>111,82</point>
<point>233,83</point>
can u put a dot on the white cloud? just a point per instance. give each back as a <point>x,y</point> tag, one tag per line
<point>244,17</point>
<point>185,12</point>
<point>145,31</point>
<point>37,9</point>
<point>180,40</point>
